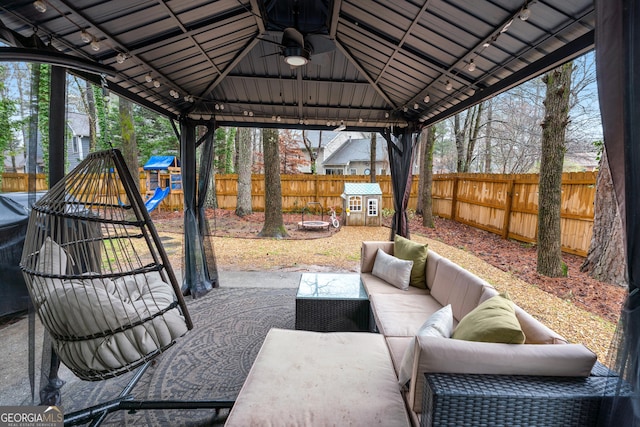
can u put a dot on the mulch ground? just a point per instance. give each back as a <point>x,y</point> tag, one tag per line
<point>517,258</point>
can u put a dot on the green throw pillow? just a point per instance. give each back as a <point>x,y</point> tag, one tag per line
<point>416,252</point>
<point>492,321</point>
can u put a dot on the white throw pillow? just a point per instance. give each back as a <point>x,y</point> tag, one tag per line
<point>440,324</point>
<point>394,270</point>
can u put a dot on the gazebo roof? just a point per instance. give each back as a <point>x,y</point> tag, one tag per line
<point>373,64</point>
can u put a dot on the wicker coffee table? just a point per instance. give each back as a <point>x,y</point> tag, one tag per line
<point>328,302</point>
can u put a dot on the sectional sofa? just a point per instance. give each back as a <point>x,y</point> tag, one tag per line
<point>428,315</point>
<point>398,315</point>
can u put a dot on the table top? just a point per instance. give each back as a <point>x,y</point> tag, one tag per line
<point>331,286</point>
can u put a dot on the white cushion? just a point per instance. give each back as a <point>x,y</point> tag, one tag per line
<point>440,324</point>
<point>394,270</point>
<point>52,258</point>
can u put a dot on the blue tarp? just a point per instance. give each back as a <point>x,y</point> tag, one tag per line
<point>159,162</point>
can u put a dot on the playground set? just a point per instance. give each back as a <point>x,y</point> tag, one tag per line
<point>163,182</point>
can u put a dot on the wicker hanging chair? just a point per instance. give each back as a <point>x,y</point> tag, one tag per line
<point>97,273</point>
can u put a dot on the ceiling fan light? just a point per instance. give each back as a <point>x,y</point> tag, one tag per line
<point>296,60</point>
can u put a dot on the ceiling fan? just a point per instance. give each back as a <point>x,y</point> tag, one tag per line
<point>297,48</point>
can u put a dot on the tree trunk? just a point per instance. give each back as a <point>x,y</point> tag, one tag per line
<point>603,261</point>
<point>473,137</point>
<point>556,104</point>
<point>129,145</point>
<point>487,138</point>
<point>459,135</point>
<point>373,158</point>
<point>243,204</point>
<point>273,222</point>
<point>421,154</point>
<point>427,174</point>
<point>93,116</point>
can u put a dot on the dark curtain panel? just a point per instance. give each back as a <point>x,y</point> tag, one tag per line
<point>617,65</point>
<point>195,277</point>
<point>206,169</point>
<point>400,146</point>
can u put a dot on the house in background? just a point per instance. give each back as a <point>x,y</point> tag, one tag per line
<point>353,157</point>
<point>79,138</point>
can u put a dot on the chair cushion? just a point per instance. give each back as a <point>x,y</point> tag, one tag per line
<point>492,321</point>
<point>394,270</point>
<point>416,252</point>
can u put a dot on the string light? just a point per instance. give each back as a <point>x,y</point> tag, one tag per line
<point>386,114</point>
<point>415,106</point>
<point>40,6</point>
<point>405,109</point>
<point>85,37</point>
<point>427,98</point>
<point>95,45</point>
<point>525,13</point>
<point>121,57</point>
<point>148,78</point>
<point>449,86</point>
<point>156,83</point>
<point>472,66</point>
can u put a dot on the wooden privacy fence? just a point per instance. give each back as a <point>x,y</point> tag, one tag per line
<point>508,205</point>
<point>15,182</point>
<point>503,204</point>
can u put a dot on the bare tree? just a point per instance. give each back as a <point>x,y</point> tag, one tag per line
<point>243,205</point>
<point>273,222</point>
<point>373,157</point>
<point>426,177</point>
<point>556,104</point>
<point>313,154</point>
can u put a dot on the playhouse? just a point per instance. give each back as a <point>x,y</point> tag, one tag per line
<point>362,203</point>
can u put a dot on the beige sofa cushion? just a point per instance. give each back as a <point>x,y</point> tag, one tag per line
<point>368,252</point>
<point>467,357</point>
<point>376,285</point>
<point>401,315</point>
<point>303,378</point>
<point>456,286</point>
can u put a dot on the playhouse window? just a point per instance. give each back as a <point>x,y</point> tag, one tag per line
<point>355,203</point>
<point>372,207</point>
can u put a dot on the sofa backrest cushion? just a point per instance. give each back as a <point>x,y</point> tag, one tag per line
<point>413,251</point>
<point>368,252</point>
<point>456,286</point>
<point>433,258</point>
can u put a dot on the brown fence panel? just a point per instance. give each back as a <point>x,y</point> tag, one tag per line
<point>19,182</point>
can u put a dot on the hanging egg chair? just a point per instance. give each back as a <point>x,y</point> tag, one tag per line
<point>97,273</point>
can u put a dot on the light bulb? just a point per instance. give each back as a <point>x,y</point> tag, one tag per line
<point>85,37</point>
<point>40,6</point>
<point>273,118</point>
<point>448,86</point>
<point>250,113</point>
<point>245,112</point>
<point>278,118</point>
<point>360,120</point>
<point>95,45</point>
<point>120,58</point>
<point>427,98</point>
<point>386,114</point>
<point>172,92</point>
<point>405,109</point>
<point>156,83</point>
<point>148,78</point>
<point>415,106</point>
<point>472,66</point>
<point>525,14</point>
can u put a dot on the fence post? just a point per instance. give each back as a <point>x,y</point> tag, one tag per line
<point>454,197</point>
<point>506,223</point>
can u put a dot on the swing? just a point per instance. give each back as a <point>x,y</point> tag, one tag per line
<point>98,275</point>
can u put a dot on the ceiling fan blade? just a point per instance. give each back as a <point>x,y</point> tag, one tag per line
<point>269,41</point>
<point>320,43</point>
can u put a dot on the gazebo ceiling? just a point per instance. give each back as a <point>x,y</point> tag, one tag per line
<point>372,63</point>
